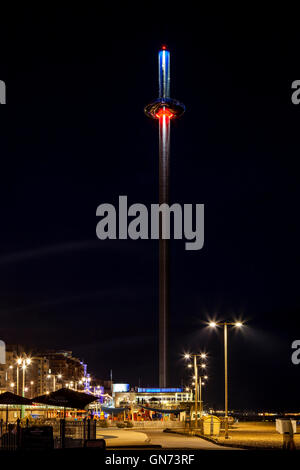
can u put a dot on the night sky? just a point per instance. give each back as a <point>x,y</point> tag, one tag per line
<point>73,135</point>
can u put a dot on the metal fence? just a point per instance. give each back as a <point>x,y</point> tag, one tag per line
<point>47,433</point>
<point>9,436</point>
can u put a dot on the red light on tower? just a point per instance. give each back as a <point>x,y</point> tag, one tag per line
<point>164,47</point>
<point>164,112</point>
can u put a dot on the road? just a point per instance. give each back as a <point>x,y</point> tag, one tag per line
<point>179,441</point>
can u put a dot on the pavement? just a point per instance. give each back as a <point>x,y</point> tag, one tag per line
<point>147,437</point>
<point>123,437</point>
<point>180,441</point>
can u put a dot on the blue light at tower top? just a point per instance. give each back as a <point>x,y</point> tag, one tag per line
<point>164,103</point>
<point>164,74</point>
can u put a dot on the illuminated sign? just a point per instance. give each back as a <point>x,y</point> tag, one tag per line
<point>120,388</point>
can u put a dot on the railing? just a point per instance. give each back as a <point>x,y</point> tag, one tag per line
<point>47,433</point>
<point>9,436</point>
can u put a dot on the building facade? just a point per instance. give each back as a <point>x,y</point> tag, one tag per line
<point>24,373</point>
<point>161,398</point>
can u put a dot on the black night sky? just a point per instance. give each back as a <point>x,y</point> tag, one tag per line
<point>73,135</point>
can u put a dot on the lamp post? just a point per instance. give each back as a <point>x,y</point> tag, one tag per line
<point>31,388</point>
<point>225,325</point>
<point>24,362</point>
<point>23,382</point>
<point>195,357</point>
<point>59,376</point>
<point>54,376</point>
<point>19,362</point>
<point>200,392</point>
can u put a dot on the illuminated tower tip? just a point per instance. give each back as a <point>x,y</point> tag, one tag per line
<point>164,103</point>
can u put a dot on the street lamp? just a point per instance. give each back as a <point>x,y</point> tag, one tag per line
<point>19,362</point>
<point>201,384</point>
<point>195,356</point>
<point>24,366</point>
<point>31,387</point>
<point>24,362</point>
<point>225,325</point>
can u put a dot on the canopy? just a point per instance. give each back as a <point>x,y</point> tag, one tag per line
<point>66,398</point>
<point>8,398</point>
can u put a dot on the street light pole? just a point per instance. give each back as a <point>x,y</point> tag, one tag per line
<point>226,380</point>
<point>31,388</point>
<point>196,390</point>
<point>200,392</point>
<point>225,325</point>
<point>17,379</point>
<point>196,375</point>
<point>23,382</point>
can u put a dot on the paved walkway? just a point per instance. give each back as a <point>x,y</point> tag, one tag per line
<point>179,441</point>
<point>128,437</point>
<point>122,437</point>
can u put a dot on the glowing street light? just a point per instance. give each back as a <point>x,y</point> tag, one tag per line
<point>31,388</point>
<point>195,383</point>
<point>237,324</point>
<point>23,363</point>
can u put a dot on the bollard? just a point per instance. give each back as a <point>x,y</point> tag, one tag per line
<point>288,438</point>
